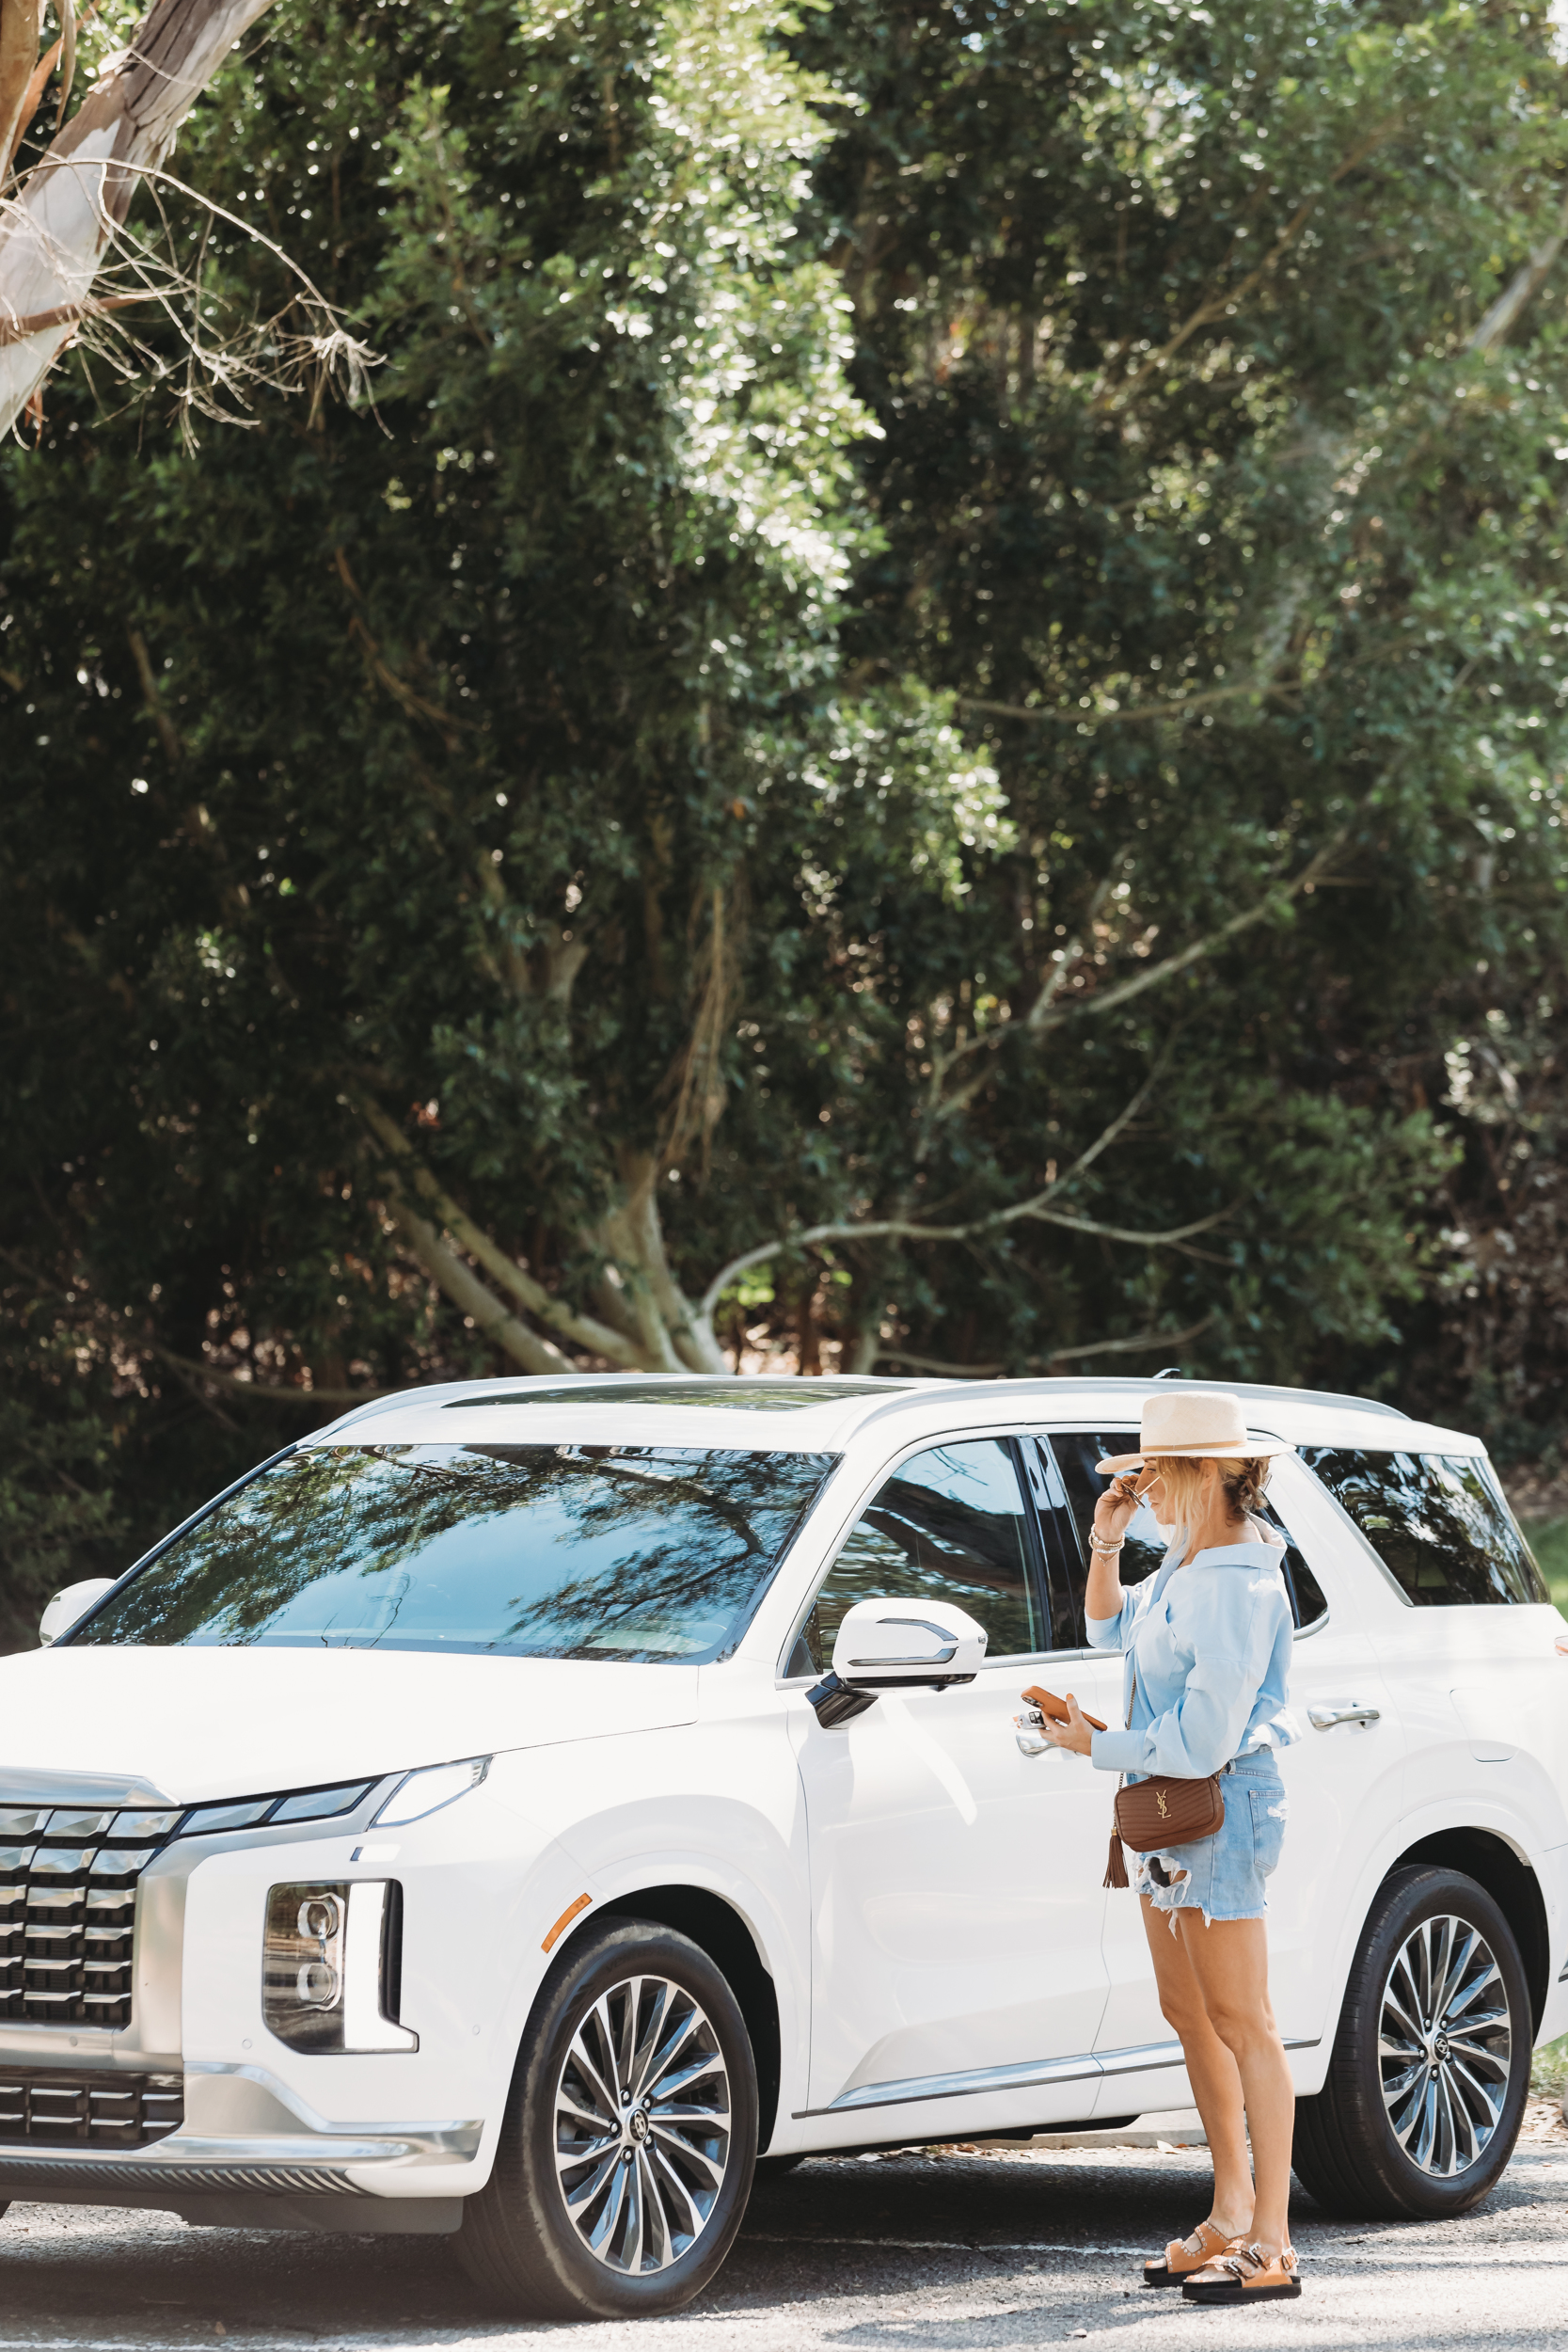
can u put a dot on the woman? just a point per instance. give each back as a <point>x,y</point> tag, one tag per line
<point>1208,1646</point>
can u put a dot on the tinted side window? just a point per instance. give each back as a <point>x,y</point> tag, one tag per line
<point>1145,1548</point>
<point>1437,1521</point>
<point>948,1525</point>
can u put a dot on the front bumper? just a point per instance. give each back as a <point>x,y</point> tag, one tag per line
<point>251,2154</point>
<point>271,2135</point>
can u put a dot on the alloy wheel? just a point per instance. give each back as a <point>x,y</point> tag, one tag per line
<point>642,2130</point>
<point>1445,2046</point>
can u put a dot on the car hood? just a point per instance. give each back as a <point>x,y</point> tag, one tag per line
<point>177,1726</point>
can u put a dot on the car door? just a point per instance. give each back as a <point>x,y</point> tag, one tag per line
<point>956,1883</point>
<point>1343,1781</point>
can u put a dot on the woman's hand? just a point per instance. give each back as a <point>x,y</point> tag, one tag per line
<point>1117,1508</point>
<point>1075,1734</point>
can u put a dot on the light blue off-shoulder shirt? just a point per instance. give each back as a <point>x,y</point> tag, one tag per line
<point>1208,1649</point>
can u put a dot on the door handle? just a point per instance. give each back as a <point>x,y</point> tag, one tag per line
<point>1324,1718</point>
<point>1031,1738</point>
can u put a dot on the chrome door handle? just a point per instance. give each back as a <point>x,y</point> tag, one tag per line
<point>1031,1738</point>
<point>1324,1718</point>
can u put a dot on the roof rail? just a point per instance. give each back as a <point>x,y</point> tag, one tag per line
<point>1079,1383</point>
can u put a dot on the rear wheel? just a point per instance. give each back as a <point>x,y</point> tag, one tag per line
<point>1427,2086</point>
<point>629,2138</point>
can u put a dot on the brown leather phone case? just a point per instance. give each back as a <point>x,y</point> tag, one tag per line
<point>1055,1708</point>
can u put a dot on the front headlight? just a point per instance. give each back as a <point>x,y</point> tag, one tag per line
<point>427,1791</point>
<point>332,1964</point>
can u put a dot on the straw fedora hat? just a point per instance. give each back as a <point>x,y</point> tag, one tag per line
<point>1205,1422</point>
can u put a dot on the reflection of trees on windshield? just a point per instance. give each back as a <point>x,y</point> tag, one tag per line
<point>588,1552</point>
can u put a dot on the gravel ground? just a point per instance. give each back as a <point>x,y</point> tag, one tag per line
<point>924,2252</point>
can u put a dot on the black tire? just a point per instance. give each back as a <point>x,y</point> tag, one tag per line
<point>518,2240</point>
<point>1425,2136</point>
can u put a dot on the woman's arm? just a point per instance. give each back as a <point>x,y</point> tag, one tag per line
<point>1112,1514</point>
<point>1102,1595</point>
<point>1230,1627</point>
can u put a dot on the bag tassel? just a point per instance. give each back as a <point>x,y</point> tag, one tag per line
<point>1116,1867</point>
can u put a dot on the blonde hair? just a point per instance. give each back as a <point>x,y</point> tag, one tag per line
<point>1182,1477</point>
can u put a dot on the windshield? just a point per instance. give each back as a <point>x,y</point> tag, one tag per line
<point>650,1553</point>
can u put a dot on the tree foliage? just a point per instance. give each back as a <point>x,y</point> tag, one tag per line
<point>932,693</point>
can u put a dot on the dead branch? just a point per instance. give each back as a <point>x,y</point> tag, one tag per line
<point>54,234</point>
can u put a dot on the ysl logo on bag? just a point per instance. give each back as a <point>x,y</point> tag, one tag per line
<point>1160,1800</point>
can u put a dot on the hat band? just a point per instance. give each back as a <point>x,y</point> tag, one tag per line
<point>1198,1445</point>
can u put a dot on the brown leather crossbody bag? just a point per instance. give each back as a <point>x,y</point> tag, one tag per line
<point>1161,1812</point>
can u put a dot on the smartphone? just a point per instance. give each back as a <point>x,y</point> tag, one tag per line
<point>1054,1709</point>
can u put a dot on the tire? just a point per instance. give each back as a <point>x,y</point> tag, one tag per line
<point>657,2202</point>
<point>1421,2130</point>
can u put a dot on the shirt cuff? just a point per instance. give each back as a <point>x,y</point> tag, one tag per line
<point>1117,1751</point>
<point>1103,1632</point>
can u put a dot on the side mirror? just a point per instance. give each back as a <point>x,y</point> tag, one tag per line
<point>896,1644</point>
<point>68,1606</point>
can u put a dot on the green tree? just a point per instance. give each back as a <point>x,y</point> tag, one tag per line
<point>867,759</point>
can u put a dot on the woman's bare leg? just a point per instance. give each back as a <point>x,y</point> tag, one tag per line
<point>1210,2069</point>
<point>1230,1964</point>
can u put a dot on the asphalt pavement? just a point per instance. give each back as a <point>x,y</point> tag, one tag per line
<point>956,2251</point>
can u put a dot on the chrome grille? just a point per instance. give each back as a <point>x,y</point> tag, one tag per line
<point>40,2108</point>
<point>68,1910</point>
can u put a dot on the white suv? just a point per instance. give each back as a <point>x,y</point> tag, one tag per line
<point>517,1806</point>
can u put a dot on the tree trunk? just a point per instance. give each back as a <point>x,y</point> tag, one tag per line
<point>56,230</point>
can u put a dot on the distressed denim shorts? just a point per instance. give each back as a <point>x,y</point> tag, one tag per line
<point>1224,1873</point>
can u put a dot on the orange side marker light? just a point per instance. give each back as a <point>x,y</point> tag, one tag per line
<point>564,1921</point>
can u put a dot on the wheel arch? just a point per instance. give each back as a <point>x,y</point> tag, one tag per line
<point>720,1931</point>
<point>1493,1863</point>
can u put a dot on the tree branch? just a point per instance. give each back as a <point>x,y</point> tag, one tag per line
<point>467,1291</point>
<point>583,1330</point>
<point>1225,298</point>
<point>1070,714</point>
<point>263,1392</point>
<point>54,233</point>
<point>169,734</point>
<point>693,1340</point>
<point>65,314</point>
<point>1047,1013</point>
<point>1498,320</point>
<point>1140,1342</point>
<point>907,1228</point>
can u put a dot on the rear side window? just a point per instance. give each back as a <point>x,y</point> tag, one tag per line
<point>949,1525</point>
<point>1437,1521</point>
<point>1145,1546</point>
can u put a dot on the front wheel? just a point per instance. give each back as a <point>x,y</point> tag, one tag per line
<point>1427,2086</point>
<point>630,2137</point>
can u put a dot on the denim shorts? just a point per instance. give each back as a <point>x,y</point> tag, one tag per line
<point>1224,1873</point>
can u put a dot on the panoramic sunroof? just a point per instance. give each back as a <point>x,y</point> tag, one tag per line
<point>768,1396</point>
